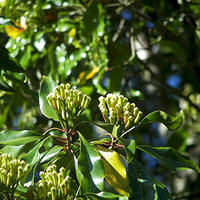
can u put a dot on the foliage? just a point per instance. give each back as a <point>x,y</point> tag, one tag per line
<point>145,50</point>
<point>91,162</point>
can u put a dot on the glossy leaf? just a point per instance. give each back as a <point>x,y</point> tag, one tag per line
<point>172,159</point>
<point>19,137</point>
<point>143,186</point>
<point>4,86</point>
<point>172,123</point>
<point>33,155</point>
<point>115,172</point>
<point>46,87</point>
<point>129,147</point>
<point>105,195</point>
<point>14,151</point>
<point>91,168</point>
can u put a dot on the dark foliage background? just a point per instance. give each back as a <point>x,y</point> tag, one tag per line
<point>146,50</point>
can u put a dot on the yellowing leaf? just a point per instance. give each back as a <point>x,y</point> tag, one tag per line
<point>72,33</point>
<point>115,172</point>
<point>14,32</point>
<point>84,76</point>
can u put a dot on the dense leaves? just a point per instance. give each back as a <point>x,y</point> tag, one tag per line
<point>145,50</point>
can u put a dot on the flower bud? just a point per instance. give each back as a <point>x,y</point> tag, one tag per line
<point>63,172</point>
<point>102,100</point>
<point>53,192</point>
<point>19,172</point>
<point>55,178</point>
<point>139,115</point>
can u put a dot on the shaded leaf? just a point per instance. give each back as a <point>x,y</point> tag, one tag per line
<point>47,86</point>
<point>8,63</point>
<point>172,123</point>
<point>115,79</point>
<point>115,172</point>
<point>143,186</point>
<point>19,137</point>
<point>25,88</point>
<point>172,159</point>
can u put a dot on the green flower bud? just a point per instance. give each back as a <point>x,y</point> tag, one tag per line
<point>135,112</point>
<point>55,178</point>
<point>53,192</point>
<point>139,115</point>
<point>42,175</point>
<point>127,106</point>
<point>129,122</point>
<point>9,178</point>
<point>79,98</point>
<point>104,112</point>
<point>59,178</point>
<point>120,100</point>
<point>62,91</point>
<point>67,86</point>
<point>20,172</point>
<point>102,100</point>
<point>63,172</point>
<point>87,102</point>
<point>125,100</point>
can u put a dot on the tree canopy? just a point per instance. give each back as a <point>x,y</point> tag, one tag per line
<point>145,50</point>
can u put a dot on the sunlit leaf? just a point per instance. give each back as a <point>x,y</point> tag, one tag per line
<point>172,159</point>
<point>19,137</point>
<point>47,86</point>
<point>172,123</point>
<point>4,86</point>
<point>129,146</point>
<point>84,76</point>
<point>13,32</point>
<point>115,172</point>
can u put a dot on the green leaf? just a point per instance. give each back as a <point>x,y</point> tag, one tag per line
<point>172,159</point>
<point>25,88</point>
<point>8,63</point>
<point>33,155</point>
<point>172,123</point>
<point>104,195</point>
<point>4,86</point>
<point>50,154</point>
<point>129,146</point>
<point>39,4</point>
<point>47,86</point>
<point>91,168</point>
<point>115,172</point>
<point>110,128</point>
<point>143,186</point>
<point>8,22</point>
<point>14,151</point>
<point>115,79</point>
<point>19,137</point>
